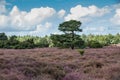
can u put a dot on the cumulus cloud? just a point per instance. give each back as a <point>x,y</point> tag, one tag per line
<point>41,28</point>
<point>116,6</point>
<point>95,29</point>
<point>116,17</point>
<point>3,21</point>
<point>78,12</point>
<point>38,21</point>
<point>2,6</point>
<point>61,13</point>
<point>22,20</point>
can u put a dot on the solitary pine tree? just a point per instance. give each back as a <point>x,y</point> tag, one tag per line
<point>70,28</point>
<point>69,38</point>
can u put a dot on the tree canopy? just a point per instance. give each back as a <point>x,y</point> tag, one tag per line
<point>70,26</point>
<point>69,38</point>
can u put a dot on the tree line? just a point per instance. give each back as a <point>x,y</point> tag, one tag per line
<point>24,42</point>
<point>69,39</point>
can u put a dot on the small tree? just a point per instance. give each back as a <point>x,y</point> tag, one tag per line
<point>3,40</point>
<point>69,38</point>
<point>3,36</point>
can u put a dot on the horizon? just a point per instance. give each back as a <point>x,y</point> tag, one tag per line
<point>42,17</point>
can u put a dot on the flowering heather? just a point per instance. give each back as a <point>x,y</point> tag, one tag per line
<point>60,64</point>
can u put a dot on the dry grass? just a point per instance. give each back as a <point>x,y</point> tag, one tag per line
<point>60,64</point>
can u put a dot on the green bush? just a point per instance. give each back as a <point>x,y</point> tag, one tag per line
<point>94,44</point>
<point>65,41</point>
<point>3,36</point>
<point>81,51</point>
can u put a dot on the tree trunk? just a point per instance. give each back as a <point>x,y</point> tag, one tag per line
<point>72,45</point>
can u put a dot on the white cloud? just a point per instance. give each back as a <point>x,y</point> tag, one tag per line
<point>61,13</point>
<point>38,21</point>
<point>116,17</point>
<point>78,12</point>
<point>48,24</point>
<point>116,6</point>
<point>41,29</point>
<point>22,20</point>
<point>57,32</point>
<point>2,6</point>
<point>3,21</point>
<point>95,29</point>
<point>39,14</point>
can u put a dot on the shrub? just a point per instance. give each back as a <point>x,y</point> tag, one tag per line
<point>94,44</point>
<point>81,51</point>
<point>3,36</point>
<point>112,72</point>
<point>92,65</point>
<point>57,72</point>
<point>30,72</point>
<point>76,76</point>
<point>2,77</point>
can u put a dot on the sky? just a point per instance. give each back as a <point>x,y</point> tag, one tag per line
<point>42,17</point>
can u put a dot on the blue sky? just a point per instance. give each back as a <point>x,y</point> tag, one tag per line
<point>42,17</point>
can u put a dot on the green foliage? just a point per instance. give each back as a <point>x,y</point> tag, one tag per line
<point>3,40</point>
<point>3,36</point>
<point>81,51</point>
<point>70,26</point>
<point>69,39</point>
<point>2,44</point>
<point>96,41</point>
<point>62,41</point>
<point>94,44</point>
<point>23,42</point>
<point>43,42</point>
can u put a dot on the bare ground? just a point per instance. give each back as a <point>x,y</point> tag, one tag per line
<point>60,64</point>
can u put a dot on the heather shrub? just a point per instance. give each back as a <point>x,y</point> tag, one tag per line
<point>1,53</point>
<point>95,64</point>
<point>68,69</point>
<point>76,76</point>
<point>3,63</point>
<point>43,77</point>
<point>56,71</point>
<point>12,77</point>
<point>2,77</point>
<point>112,72</point>
<point>90,65</point>
<point>29,71</point>
<point>36,69</point>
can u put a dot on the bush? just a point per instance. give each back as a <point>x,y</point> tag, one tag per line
<point>76,76</point>
<point>65,41</point>
<point>57,72</point>
<point>30,72</point>
<point>112,72</point>
<point>81,51</point>
<point>3,36</point>
<point>94,44</point>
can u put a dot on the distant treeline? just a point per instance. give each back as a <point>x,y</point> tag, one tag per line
<point>27,42</point>
<point>23,42</point>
